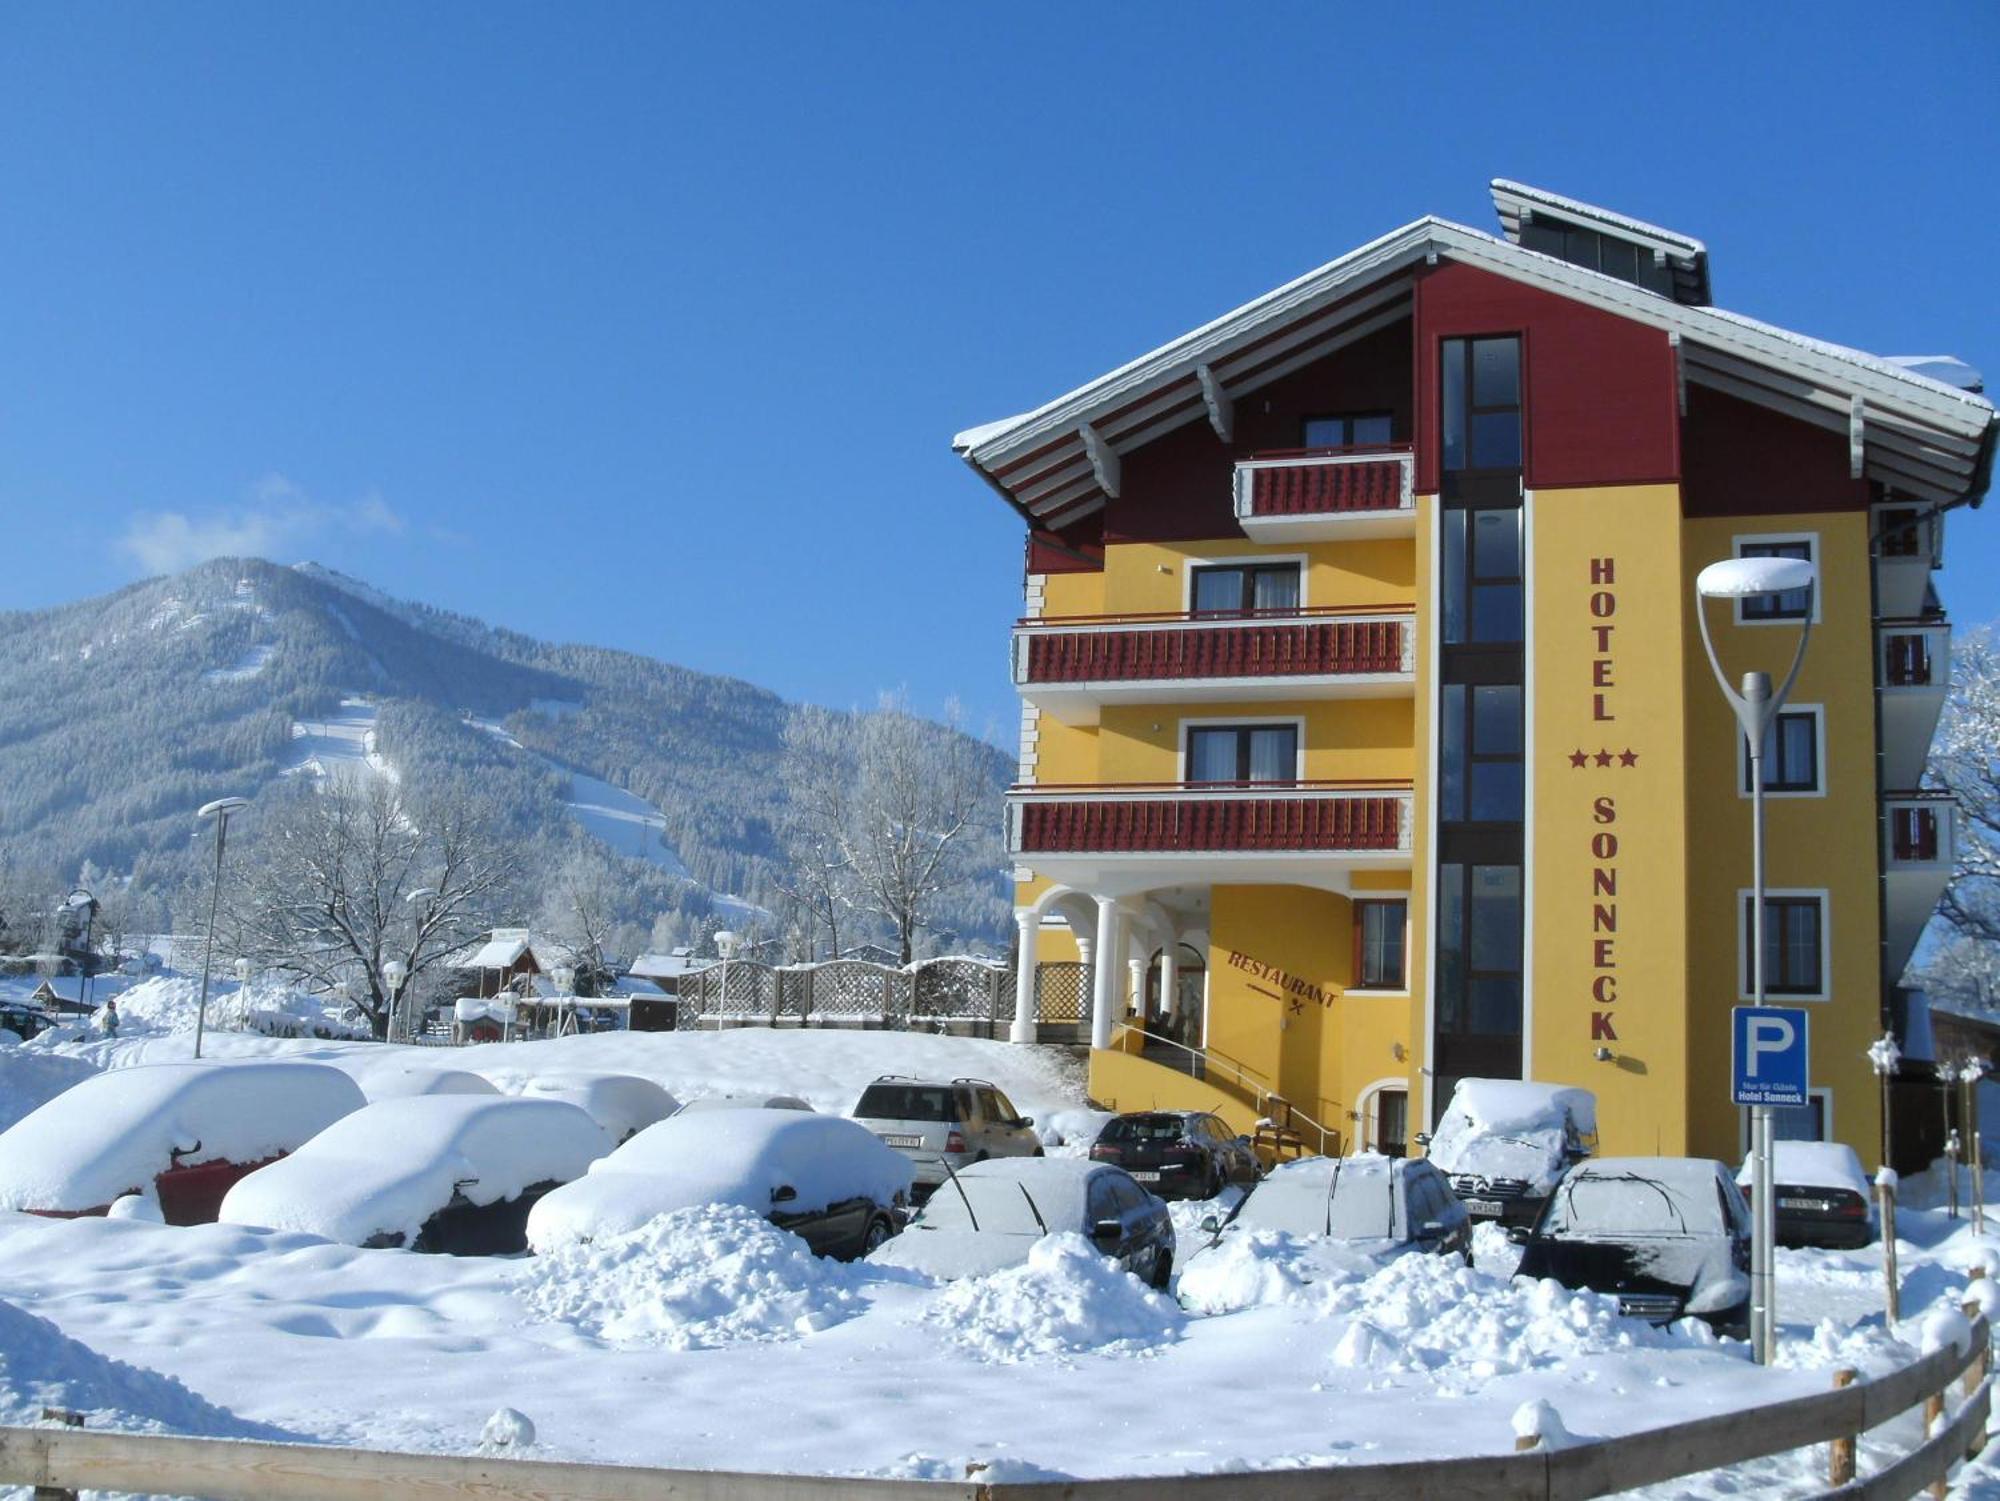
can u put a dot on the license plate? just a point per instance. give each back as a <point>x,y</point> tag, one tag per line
<point>1482,1206</point>
<point>902,1141</point>
<point>1147,1177</point>
<point>1819,1204</point>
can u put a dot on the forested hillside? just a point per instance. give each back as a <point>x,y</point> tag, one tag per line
<point>119,716</point>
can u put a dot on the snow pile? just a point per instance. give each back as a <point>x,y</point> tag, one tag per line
<point>1070,1133</point>
<point>41,1367</point>
<point>1065,1300</point>
<point>1253,1267</point>
<point>115,1132</point>
<point>30,1078</point>
<point>170,1003</point>
<point>693,1279</point>
<point>387,1168</point>
<point>742,1157</point>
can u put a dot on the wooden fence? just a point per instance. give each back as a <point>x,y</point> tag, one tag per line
<point>950,993</point>
<point>58,1460</point>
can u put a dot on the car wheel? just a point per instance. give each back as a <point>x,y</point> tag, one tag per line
<point>876,1235</point>
<point>1038,1152</point>
<point>1163,1269</point>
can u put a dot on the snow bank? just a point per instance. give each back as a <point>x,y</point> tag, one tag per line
<point>1254,1267</point>
<point>1066,1300</point>
<point>114,1133</point>
<point>171,1003</point>
<point>30,1078</point>
<point>1070,1133</point>
<point>40,1366</point>
<point>390,1166</point>
<point>739,1157</point>
<point>694,1278</point>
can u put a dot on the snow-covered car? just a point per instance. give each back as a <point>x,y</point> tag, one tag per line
<point>825,1179</point>
<point>390,1079</point>
<point>991,1215</point>
<point>623,1104</point>
<point>1505,1144</point>
<point>23,1020</point>
<point>935,1122</point>
<point>1667,1236</point>
<point>456,1173</point>
<point>743,1102</point>
<point>1374,1205</point>
<point>1822,1193</point>
<point>177,1133</point>
<point>1178,1154</point>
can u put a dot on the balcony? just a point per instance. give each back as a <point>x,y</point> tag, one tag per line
<point>1916,667</point>
<point>1917,854</point>
<point>1099,836</point>
<point>1072,666</point>
<point>1328,495</point>
<point>1910,545</point>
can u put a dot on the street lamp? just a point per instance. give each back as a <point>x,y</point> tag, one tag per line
<point>242,968</point>
<point>1756,707</point>
<point>565,978</point>
<point>725,945</point>
<point>219,810</point>
<point>392,979</point>
<point>1885,1057</point>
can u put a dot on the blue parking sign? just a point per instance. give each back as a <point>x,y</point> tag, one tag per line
<point>1768,1062</point>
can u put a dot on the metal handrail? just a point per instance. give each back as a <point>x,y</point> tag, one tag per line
<point>1399,613</point>
<point>1374,785</point>
<point>1256,1083</point>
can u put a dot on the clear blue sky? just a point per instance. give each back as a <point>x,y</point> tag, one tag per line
<point>649,325</point>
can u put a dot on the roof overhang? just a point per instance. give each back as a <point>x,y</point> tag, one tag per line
<point>1922,436</point>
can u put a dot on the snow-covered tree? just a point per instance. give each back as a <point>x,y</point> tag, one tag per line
<point>334,884</point>
<point>817,771</point>
<point>580,911</point>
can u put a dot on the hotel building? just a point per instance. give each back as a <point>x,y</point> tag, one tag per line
<point>1367,739</point>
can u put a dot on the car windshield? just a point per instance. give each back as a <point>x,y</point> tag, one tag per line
<point>1346,1203</point>
<point>1629,1203</point>
<point>1001,1206</point>
<point>1144,1128</point>
<point>906,1102</point>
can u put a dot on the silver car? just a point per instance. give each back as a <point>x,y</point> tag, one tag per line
<point>933,1122</point>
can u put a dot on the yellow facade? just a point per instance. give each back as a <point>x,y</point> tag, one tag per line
<point>1635,859</point>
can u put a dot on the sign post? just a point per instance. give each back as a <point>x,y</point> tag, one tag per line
<point>1769,1069</point>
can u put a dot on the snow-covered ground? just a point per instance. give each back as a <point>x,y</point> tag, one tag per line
<point>343,747</point>
<point>713,1325</point>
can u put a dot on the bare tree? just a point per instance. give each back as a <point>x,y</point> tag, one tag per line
<point>336,883</point>
<point>920,792</point>
<point>580,911</point>
<point>817,774</point>
<point>1965,760</point>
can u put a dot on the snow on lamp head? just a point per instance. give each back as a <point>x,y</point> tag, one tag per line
<point>1747,578</point>
<point>725,944</point>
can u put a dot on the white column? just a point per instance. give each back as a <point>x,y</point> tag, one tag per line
<point>1135,1000</point>
<point>1029,925</point>
<point>1104,989</point>
<point>1170,978</point>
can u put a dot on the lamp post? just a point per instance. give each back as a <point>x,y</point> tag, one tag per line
<point>1884,1057</point>
<point>393,972</point>
<point>242,968</point>
<point>219,810</point>
<point>725,945</point>
<point>565,978</point>
<point>1756,707</point>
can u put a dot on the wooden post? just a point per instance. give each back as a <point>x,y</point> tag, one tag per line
<point>1933,1420</point>
<point>1840,1454</point>
<point>1523,1442</point>
<point>1886,1190</point>
<point>68,1419</point>
<point>1976,1371</point>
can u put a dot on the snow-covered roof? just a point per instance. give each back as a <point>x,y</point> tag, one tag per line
<point>668,966</point>
<point>1946,369</point>
<point>1058,462</point>
<point>503,946</point>
<point>114,1133</point>
<point>386,1169</point>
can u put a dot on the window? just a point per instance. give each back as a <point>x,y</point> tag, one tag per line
<point>1805,1122</point>
<point>1355,430</point>
<point>1624,259</point>
<point>1482,575</point>
<point>1791,755</point>
<point>1479,949</point>
<point>1246,588</point>
<point>1243,753</point>
<point>1902,531</point>
<point>1479,731</point>
<point>1378,944</point>
<point>1793,604</point>
<point>1794,945</point>
<point>1392,1117</point>
<point>1482,403</point>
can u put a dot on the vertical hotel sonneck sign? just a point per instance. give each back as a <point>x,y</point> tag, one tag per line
<point>1597,770</point>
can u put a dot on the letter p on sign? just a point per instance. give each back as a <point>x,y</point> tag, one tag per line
<point>1769,1062</point>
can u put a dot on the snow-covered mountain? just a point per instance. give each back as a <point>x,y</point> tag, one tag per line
<point>122,714</point>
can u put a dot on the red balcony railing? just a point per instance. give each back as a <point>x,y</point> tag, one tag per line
<point>1194,818</point>
<point>1327,482</point>
<point>1125,649</point>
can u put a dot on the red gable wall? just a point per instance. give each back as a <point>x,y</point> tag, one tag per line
<point>1746,460</point>
<point>1598,390</point>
